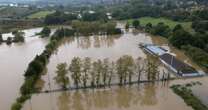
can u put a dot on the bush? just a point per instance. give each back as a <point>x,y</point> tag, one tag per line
<point>161,29</point>
<point>136,24</point>
<point>16,106</point>
<point>180,38</point>
<point>197,55</point>
<point>45,32</point>
<point>186,93</point>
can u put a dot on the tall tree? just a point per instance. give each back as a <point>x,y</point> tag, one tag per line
<point>75,69</point>
<point>98,70</point>
<point>136,23</point>
<point>61,77</point>
<point>127,25</point>
<point>93,74</point>
<point>86,69</point>
<point>18,36</point>
<point>130,64</point>
<point>120,70</point>
<point>45,32</point>
<point>1,38</point>
<point>152,70</point>
<point>105,70</point>
<point>139,68</point>
<point>111,72</point>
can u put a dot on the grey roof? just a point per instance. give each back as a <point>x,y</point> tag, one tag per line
<point>178,65</point>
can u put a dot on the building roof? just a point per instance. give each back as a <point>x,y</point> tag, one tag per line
<point>177,64</point>
<point>155,50</point>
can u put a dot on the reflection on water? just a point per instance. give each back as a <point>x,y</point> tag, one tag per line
<point>142,97</point>
<point>149,97</point>
<point>14,59</point>
<point>95,41</point>
<point>95,47</point>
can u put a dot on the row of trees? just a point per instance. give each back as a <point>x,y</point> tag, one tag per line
<point>88,73</point>
<point>96,27</point>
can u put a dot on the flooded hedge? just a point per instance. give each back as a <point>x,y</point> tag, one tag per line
<point>186,93</point>
<point>36,68</point>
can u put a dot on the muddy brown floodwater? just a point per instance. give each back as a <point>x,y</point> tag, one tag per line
<point>14,59</point>
<point>142,97</point>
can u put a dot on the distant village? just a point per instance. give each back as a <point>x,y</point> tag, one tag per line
<point>25,5</point>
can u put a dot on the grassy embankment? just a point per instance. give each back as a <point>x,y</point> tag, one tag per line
<point>185,92</point>
<point>40,14</point>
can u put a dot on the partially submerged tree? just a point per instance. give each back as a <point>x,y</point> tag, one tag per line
<point>140,67</point>
<point>136,24</point>
<point>86,70</point>
<point>98,71</point>
<point>152,70</point>
<point>18,36</point>
<point>9,40</point>
<point>1,38</point>
<point>62,78</point>
<point>120,70</point>
<point>75,69</point>
<point>105,70</point>
<point>130,67</point>
<point>127,25</point>
<point>112,71</point>
<point>45,32</point>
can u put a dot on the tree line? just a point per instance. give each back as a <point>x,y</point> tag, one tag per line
<point>96,27</point>
<point>101,73</point>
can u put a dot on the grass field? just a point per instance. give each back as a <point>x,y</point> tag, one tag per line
<point>40,14</point>
<point>170,23</point>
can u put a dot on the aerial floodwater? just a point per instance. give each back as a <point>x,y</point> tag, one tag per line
<point>150,96</point>
<point>14,60</point>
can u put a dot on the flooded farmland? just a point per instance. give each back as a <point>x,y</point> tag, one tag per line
<point>143,97</point>
<point>15,59</point>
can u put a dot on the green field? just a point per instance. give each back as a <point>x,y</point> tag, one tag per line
<point>40,14</point>
<point>170,23</point>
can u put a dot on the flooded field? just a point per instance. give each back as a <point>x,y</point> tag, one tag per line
<point>143,97</point>
<point>15,58</point>
<point>14,61</point>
